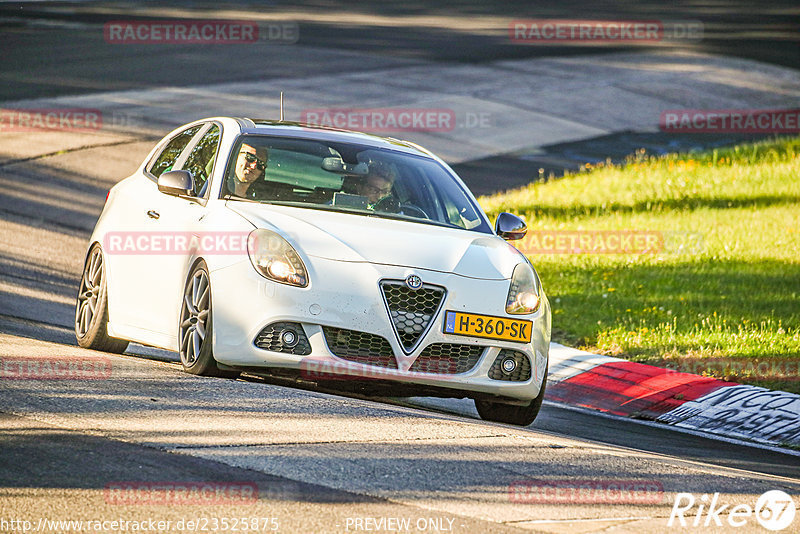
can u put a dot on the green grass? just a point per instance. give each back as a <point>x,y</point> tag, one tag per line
<point>731,293</point>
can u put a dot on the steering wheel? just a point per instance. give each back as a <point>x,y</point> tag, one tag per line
<point>416,211</point>
<point>391,205</point>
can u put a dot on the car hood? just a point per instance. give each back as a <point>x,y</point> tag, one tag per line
<point>359,238</point>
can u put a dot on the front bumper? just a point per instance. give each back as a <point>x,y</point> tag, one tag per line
<point>347,295</point>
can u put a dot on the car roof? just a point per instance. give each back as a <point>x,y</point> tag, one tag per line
<point>324,133</point>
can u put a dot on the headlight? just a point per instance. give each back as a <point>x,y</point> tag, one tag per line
<point>523,295</point>
<point>274,258</point>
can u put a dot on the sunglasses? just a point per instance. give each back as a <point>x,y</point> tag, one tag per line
<point>251,158</point>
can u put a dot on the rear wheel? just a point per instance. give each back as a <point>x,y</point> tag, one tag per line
<point>510,413</point>
<point>91,310</point>
<point>196,329</point>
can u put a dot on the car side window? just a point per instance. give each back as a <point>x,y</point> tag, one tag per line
<point>166,159</point>
<point>201,159</point>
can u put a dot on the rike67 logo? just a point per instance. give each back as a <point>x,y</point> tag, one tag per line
<point>774,510</point>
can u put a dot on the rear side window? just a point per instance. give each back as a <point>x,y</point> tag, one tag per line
<point>166,159</point>
<point>201,159</point>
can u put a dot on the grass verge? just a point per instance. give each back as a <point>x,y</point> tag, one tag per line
<point>717,289</point>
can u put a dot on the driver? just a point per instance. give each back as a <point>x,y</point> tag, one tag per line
<point>377,185</point>
<point>251,163</point>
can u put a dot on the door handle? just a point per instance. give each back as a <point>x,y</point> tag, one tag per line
<point>153,214</point>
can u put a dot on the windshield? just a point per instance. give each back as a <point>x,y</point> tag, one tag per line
<point>349,178</point>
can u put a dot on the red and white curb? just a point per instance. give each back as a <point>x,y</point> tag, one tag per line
<point>685,400</point>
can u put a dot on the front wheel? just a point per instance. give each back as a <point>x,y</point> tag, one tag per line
<point>91,310</point>
<point>509,413</point>
<point>196,330</point>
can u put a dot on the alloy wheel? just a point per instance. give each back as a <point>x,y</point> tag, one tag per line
<point>91,283</point>
<point>194,317</point>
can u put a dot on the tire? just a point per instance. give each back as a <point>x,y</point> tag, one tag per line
<point>195,331</point>
<point>510,413</point>
<point>91,308</point>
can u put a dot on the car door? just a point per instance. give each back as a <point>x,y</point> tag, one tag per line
<point>179,217</point>
<point>133,275</point>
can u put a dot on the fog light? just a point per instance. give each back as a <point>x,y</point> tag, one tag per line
<point>509,364</point>
<point>288,338</point>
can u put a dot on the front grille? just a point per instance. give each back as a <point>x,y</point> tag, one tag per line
<point>411,310</point>
<point>447,358</point>
<point>520,374</point>
<point>360,347</point>
<point>270,339</point>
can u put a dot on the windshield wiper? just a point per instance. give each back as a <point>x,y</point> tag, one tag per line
<point>351,211</point>
<point>231,197</point>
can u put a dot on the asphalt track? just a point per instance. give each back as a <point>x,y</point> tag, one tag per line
<point>320,460</point>
<point>50,48</point>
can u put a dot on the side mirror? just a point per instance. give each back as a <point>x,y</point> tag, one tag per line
<point>176,183</point>
<point>510,227</point>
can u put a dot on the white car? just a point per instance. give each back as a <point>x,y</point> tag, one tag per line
<point>276,247</point>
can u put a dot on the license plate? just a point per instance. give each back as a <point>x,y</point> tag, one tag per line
<point>488,326</point>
